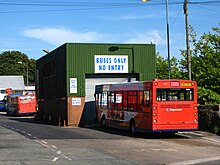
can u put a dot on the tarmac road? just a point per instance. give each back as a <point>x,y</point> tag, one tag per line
<point>25,141</point>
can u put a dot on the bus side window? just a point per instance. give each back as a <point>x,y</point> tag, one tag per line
<point>118,100</point>
<point>147,98</point>
<point>125,99</point>
<point>140,100</point>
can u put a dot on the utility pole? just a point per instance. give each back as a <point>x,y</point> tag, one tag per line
<point>168,39</point>
<point>187,40</point>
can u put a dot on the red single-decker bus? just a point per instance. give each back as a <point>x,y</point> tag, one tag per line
<point>21,104</point>
<point>148,106</point>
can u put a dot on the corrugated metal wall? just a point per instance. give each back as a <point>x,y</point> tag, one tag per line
<point>75,60</point>
<point>80,60</point>
<point>52,85</point>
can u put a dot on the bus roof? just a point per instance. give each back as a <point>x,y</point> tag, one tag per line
<point>141,85</point>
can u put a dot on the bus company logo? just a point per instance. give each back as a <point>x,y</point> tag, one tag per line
<point>184,84</point>
<point>174,110</point>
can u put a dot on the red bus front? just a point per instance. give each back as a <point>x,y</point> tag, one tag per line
<point>174,105</point>
<point>26,104</point>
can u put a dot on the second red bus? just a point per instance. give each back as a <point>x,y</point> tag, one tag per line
<point>21,104</point>
<point>149,106</point>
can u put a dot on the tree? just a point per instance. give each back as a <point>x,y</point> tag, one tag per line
<point>162,68</point>
<point>9,65</point>
<point>205,62</point>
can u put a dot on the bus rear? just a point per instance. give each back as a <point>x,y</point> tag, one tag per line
<point>21,104</point>
<point>174,106</point>
<point>27,104</point>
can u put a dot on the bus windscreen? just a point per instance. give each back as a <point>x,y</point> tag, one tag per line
<point>175,94</point>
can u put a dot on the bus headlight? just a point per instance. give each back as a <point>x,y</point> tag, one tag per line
<point>155,114</point>
<point>195,120</point>
<point>155,121</point>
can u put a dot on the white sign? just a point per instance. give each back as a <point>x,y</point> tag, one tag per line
<point>76,101</point>
<point>73,85</point>
<point>111,64</point>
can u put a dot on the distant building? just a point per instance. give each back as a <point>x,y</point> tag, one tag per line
<point>16,83</point>
<point>29,89</point>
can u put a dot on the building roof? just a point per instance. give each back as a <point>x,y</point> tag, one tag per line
<point>14,82</point>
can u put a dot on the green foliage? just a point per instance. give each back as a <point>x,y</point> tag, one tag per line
<point>206,61</point>
<point>207,96</point>
<point>9,65</point>
<point>162,68</point>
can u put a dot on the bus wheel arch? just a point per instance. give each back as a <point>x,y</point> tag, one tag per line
<point>132,126</point>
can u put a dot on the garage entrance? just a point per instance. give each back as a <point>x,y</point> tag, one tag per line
<point>89,113</point>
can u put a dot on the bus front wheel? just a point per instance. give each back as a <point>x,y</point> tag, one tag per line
<point>103,121</point>
<point>132,127</point>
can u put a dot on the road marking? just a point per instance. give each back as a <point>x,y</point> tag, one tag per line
<point>55,159</point>
<point>44,142</point>
<point>196,161</point>
<point>163,149</point>
<point>23,131</point>
<point>53,146</point>
<point>66,157</point>
<point>58,152</point>
<point>155,149</point>
<point>29,134</point>
<point>211,140</point>
<point>38,141</point>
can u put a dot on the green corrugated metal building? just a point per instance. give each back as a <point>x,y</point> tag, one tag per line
<point>66,77</point>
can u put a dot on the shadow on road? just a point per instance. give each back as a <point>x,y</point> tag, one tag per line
<point>96,127</point>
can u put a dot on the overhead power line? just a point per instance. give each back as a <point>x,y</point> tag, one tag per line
<point>62,6</point>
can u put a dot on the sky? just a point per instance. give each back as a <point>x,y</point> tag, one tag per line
<point>29,26</point>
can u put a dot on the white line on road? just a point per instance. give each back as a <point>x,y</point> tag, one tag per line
<point>66,157</point>
<point>196,161</point>
<point>29,134</point>
<point>54,146</point>
<point>211,140</point>
<point>55,159</point>
<point>44,142</point>
<point>41,143</point>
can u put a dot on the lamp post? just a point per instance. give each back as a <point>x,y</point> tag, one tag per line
<point>114,48</point>
<point>27,71</point>
<point>168,36</point>
<point>46,51</point>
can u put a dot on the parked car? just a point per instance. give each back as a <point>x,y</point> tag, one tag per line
<point>2,106</point>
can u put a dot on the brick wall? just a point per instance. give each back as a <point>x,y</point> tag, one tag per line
<point>75,107</point>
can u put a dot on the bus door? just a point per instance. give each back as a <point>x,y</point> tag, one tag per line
<point>175,105</point>
<point>147,109</point>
